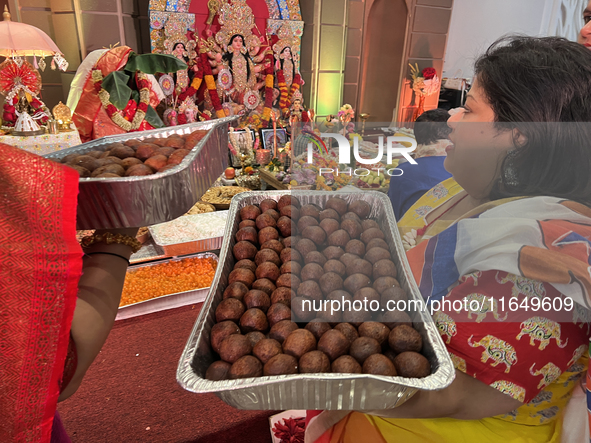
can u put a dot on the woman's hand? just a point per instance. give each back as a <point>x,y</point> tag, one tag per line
<point>465,399</point>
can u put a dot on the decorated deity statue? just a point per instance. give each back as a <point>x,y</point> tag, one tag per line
<point>289,80</point>
<point>298,116</point>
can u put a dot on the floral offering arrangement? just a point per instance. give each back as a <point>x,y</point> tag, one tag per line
<point>346,112</point>
<point>424,83</point>
<point>303,173</point>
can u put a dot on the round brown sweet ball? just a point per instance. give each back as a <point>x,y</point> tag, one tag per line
<point>82,172</point>
<point>376,330</point>
<point>383,283</point>
<point>315,257</point>
<point>281,364</point>
<point>229,309</point>
<point>218,370</point>
<point>374,255</point>
<point>311,210</point>
<point>318,327</point>
<point>266,349</point>
<point>273,213</point>
<point>384,268</point>
<point>289,254</point>
<point>130,161</point>
<point>164,151</point>
<point>412,364</point>
<point>279,331</point>
<point>267,255</point>
<point>359,266</point>
<point>371,233</point>
<point>333,252</point>
<point>173,142</point>
<point>105,154</point>
<point>368,294</point>
<point>118,170</point>
<point>369,224</point>
<point>393,319</point>
<point>112,160</point>
<point>287,200</point>
<point>236,290</point>
<point>286,226</point>
<point>267,234</point>
<point>314,233</point>
<point>274,245</point>
<point>278,312</point>
<point>355,282</point>
<point>247,234</point>
<point>377,243</point>
<point>357,318</point>
<point>329,225</point>
<point>346,364</point>
<point>329,213</point>
<point>393,294</point>
<point>177,156</point>
<point>314,362</point>
<point>133,142</point>
<point>330,282</point>
<point>291,267</point>
<point>302,309</point>
<point>340,295</point>
<point>361,208</point>
<point>347,257</point>
<point>289,281</point>
<point>304,246</point>
<point>334,344</point>
<point>246,367</point>
<point>86,162</point>
<point>145,150</point>
<point>246,264</point>
<point>267,270</point>
<point>221,331</point>
<point>352,227</point>
<point>97,154</point>
<point>156,162</point>
<point>299,342</point>
<point>242,275</point>
<point>244,249</point>
<point>255,337</point>
<point>335,266</point>
<point>290,211</point>
<point>267,204</point>
<point>338,204</point>
<point>310,289</point>
<point>283,295</point>
<point>328,315</point>
<point>339,238</point>
<point>265,220</point>
<point>405,338</point>
<point>351,216</point>
<point>257,299</point>
<point>348,331</point>
<point>249,212</point>
<point>287,241</point>
<point>356,247</point>
<point>306,221</point>
<point>233,347</point>
<point>247,224</point>
<point>363,347</point>
<point>254,320</point>
<point>379,364</point>
<point>138,171</point>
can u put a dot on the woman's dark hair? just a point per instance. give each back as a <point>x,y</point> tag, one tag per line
<point>229,55</point>
<point>541,87</point>
<point>281,60</point>
<point>431,126</point>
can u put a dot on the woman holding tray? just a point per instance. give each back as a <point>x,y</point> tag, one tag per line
<point>56,307</point>
<point>518,229</point>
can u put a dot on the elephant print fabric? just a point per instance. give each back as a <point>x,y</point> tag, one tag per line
<point>534,357</point>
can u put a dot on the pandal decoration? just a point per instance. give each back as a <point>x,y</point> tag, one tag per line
<point>139,114</point>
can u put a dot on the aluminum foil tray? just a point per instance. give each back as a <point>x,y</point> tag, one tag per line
<point>208,242</point>
<point>164,302</point>
<point>105,203</point>
<point>312,391</point>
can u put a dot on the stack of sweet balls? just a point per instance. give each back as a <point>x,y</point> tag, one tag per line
<point>287,253</point>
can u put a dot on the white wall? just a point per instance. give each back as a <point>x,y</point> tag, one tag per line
<point>475,24</point>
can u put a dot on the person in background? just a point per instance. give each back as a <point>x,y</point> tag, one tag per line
<point>431,133</point>
<point>57,304</point>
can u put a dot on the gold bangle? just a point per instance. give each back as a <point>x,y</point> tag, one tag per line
<point>110,238</point>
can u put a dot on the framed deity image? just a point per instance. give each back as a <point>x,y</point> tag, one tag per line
<point>267,138</point>
<point>242,140</point>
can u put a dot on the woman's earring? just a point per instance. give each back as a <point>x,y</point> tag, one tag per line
<point>509,174</point>
<point>243,50</point>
